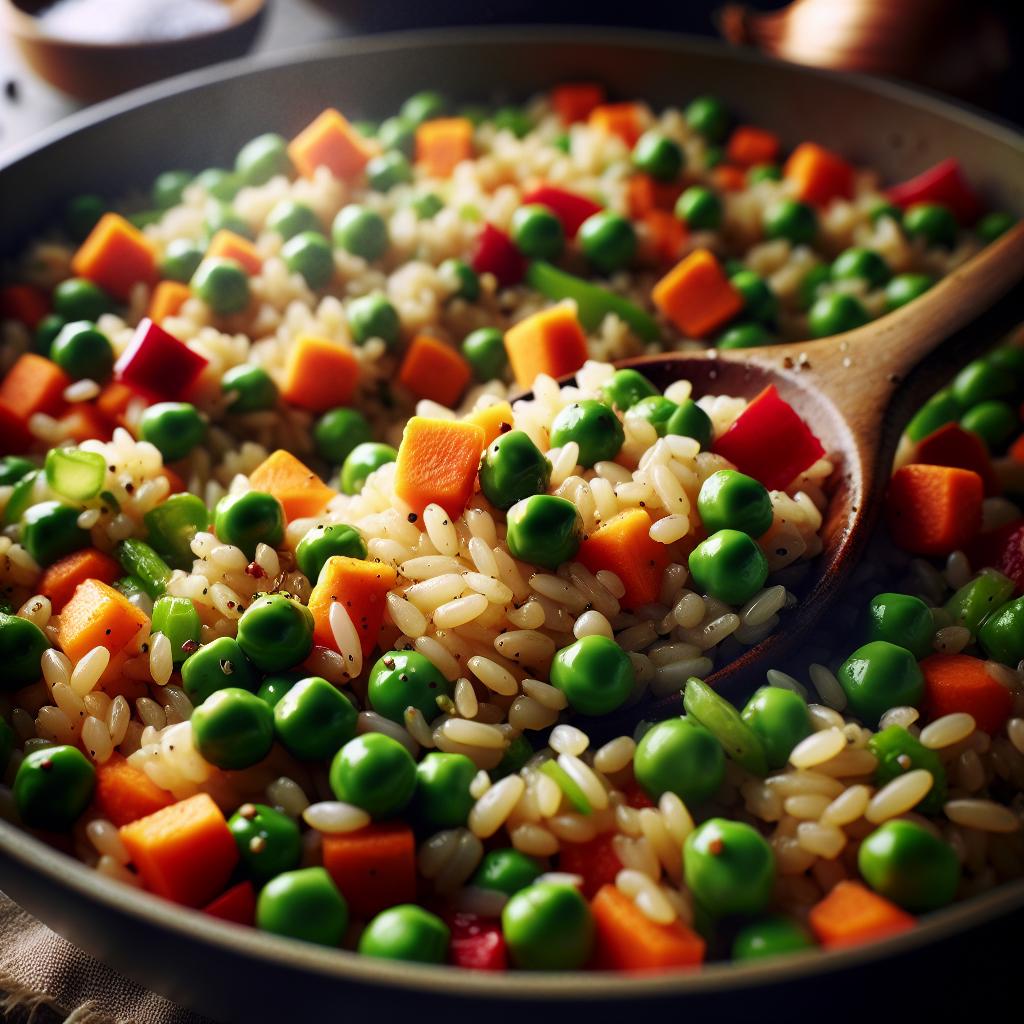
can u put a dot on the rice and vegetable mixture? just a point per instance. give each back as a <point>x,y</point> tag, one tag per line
<point>303,603</point>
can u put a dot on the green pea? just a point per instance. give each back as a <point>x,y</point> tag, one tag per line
<point>688,419</point>
<point>506,870</point>
<point>428,206</point>
<point>513,468</point>
<point>593,426</point>
<point>995,422</point>
<point>22,644</point>
<point>994,224</point>
<point>1009,359</point>
<point>178,620</point>
<point>729,565</point>
<point>50,531</point>
<point>729,867</point>
<point>81,215</point>
<point>932,222</point>
<point>979,381</point>
<point>836,313</point>
<point>14,468</point>
<point>303,904</point>
<point>175,428</point>
<point>860,264</point>
<point>940,409</point>
<point>484,350</point>
<point>537,232</point>
<point>517,753</point>
<point>404,679</point>
<point>792,220</point>
<point>374,772</point>
<point>218,665</point>
<point>252,387</point>
<point>276,632</point>
<point>181,259</point>
<point>1002,634</point>
<point>461,280</point>
<point>222,217</point>
<point>233,728</point>
<point>903,620</point>
<point>268,841</point>
<point>745,336</point>
<point>322,542</point>
<point>770,936</point>
<point>656,410</point>
<point>290,218</point>
<point>309,255</point>
<point>764,172</point>
<point>219,183</point>
<point>82,351</point>
<point>904,288</point>
<point>398,133</point>
<point>699,208</point>
<point>713,156</point>
<point>361,231</point>
<point>741,742</point>
<point>544,530</point>
<point>548,927</point>
<point>908,865</point>
<point>314,720</point>
<point>608,241</point>
<point>361,462</point>
<point>372,316</point>
<point>53,787</point>
<point>442,798</point>
<point>172,526</point>
<point>79,299</point>
<point>810,286</point>
<point>899,752</point>
<point>514,120</point>
<point>975,601</point>
<point>730,500</point>
<point>263,158</point>
<point>682,757</point>
<point>780,717</point>
<point>273,688</point>
<point>249,519</point>
<point>759,301</point>
<point>626,388</point>
<point>169,187</point>
<point>883,208</point>
<point>387,170</point>
<point>406,932</point>
<point>222,284</point>
<point>46,333</point>
<point>708,116</point>
<point>426,105</point>
<point>878,676</point>
<point>338,431</point>
<point>595,674</point>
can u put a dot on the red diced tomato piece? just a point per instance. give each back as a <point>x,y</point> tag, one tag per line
<point>596,862</point>
<point>944,183</point>
<point>477,943</point>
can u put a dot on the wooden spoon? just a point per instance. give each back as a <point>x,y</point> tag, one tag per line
<point>855,393</point>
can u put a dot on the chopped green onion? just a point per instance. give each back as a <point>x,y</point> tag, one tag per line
<point>139,559</point>
<point>74,474</point>
<point>572,791</point>
<point>21,497</point>
<point>130,586</point>
<point>721,719</point>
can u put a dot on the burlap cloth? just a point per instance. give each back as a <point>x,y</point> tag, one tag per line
<point>45,979</point>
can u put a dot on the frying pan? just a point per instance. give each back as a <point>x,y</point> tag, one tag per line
<point>199,120</point>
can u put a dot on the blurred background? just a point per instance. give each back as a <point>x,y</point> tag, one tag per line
<point>58,55</point>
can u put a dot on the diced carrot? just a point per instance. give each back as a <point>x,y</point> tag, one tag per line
<point>1016,451</point>
<point>574,101</point>
<point>551,341</point>
<point>666,234</point>
<point>431,369</point>
<point>640,195</point>
<point>697,296</point>
<point>627,940</point>
<point>851,914</point>
<point>98,616</point>
<point>113,401</point>
<point>627,120</point>
<point>374,867</point>
<point>237,905</point>
<point>33,384</point>
<point>495,419</point>
<point>300,491</point>
<point>319,373</point>
<point>623,544</point>
<point>437,463</point>
<point>933,510</point>
<point>228,245</point>
<point>958,682</point>
<point>818,174</point>
<point>24,303</point>
<point>362,588</point>
<point>184,852</point>
<point>443,144</point>
<point>176,483</point>
<point>116,256</point>
<point>167,299</point>
<point>60,580</point>
<point>125,793</point>
<point>749,146</point>
<point>83,421</point>
<point>595,861</point>
<point>331,142</point>
<point>951,445</point>
<point>729,178</point>
<point>15,436</point>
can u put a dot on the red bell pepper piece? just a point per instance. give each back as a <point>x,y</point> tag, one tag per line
<point>951,445</point>
<point>477,943</point>
<point>156,364</point>
<point>237,904</point>
<point>14,435</point>
<point>25,303</point>
<point>1007,553</point>
<point>986,549</point>
<point>944,183</point>
<point>770,442</point>
<point>596,862</point>
<point>496,254</point>
<point>571,209</point>
<point>1016,451</point>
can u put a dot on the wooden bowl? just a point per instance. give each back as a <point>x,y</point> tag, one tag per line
<point>94,71</point>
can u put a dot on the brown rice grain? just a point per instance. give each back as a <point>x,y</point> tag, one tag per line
<point>86,674</point>
<point>982,815</point>
<point>583,775</point>
<point>567,739</point>
<point>903,715</point>
<point>534,840</point>
<point>493,676</point>
<point>161,662</point>
<point>370,721</point>
<point>474,734</point>
<point>808,806</point>
<point>333,816</point>
<point>544,693</point>
<point>822,840</point>
<point>438,656</point>
<point>899,796</point>
<point>615,755</point>
<point>490,811</point>
<point>818,748</point>
<point>825,682</point>
<point>847,807</point>
<point>947,730</point>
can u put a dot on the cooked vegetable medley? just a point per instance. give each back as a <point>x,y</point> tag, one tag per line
<point>301,604</point>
